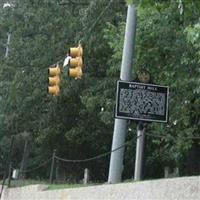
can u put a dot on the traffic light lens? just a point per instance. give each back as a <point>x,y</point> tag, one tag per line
<point>53,71</point>
<point>54,80</point>
<point>76,62</point>
<point>54,90</point>
<point>75,73</point>
<point>76,51</point>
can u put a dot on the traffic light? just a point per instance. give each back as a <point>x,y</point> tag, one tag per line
<point>54,80</point>
<point>76,62</point>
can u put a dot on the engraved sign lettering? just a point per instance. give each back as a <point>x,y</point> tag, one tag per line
<point>145,102</point>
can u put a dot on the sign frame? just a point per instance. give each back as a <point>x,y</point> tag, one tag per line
<point>146,87</point>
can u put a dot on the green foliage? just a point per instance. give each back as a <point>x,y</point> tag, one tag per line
<point>65,186</point>
<point>129,2</point>
<point>79,122</point>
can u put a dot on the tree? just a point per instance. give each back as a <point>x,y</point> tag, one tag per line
<point>79,122</point>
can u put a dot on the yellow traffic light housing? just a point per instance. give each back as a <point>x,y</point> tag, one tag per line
<point>75,72</point>
<point>76,51</point>
<point>54,81</point>
<point>76,62</point>
<point>54,90</point>
<point>54,71</point>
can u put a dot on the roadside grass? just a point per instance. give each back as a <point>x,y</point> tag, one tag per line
<point>78,185</point>
<point>55,186</point>
<point>65,186</point>
<point>21,183</point>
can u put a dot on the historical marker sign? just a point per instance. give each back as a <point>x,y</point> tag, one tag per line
<point>144,102</point>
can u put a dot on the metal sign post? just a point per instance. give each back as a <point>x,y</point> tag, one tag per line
<point>139,152</point>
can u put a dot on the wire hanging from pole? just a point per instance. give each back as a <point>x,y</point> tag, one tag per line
<point>91,27</point>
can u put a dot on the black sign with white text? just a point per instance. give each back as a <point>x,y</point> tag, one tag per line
<point>144,102</point>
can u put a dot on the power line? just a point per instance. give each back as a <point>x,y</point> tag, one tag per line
<point>93,24</point>
<point>92,158</point>
<point>100,15</point>
<point>172,137</point>
<point>95,157</point>
<point>39,166</point>
<point>126,143</point>
<point>60,3</point>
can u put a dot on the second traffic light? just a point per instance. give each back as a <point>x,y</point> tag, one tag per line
<point>54,81</point>
<point>76,62</point>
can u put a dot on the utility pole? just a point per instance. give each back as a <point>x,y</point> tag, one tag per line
<point>120,127</point>
<point>52,166</point>
<point>27,147</point>
<point>8,165</point>
<point>7,45</point>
